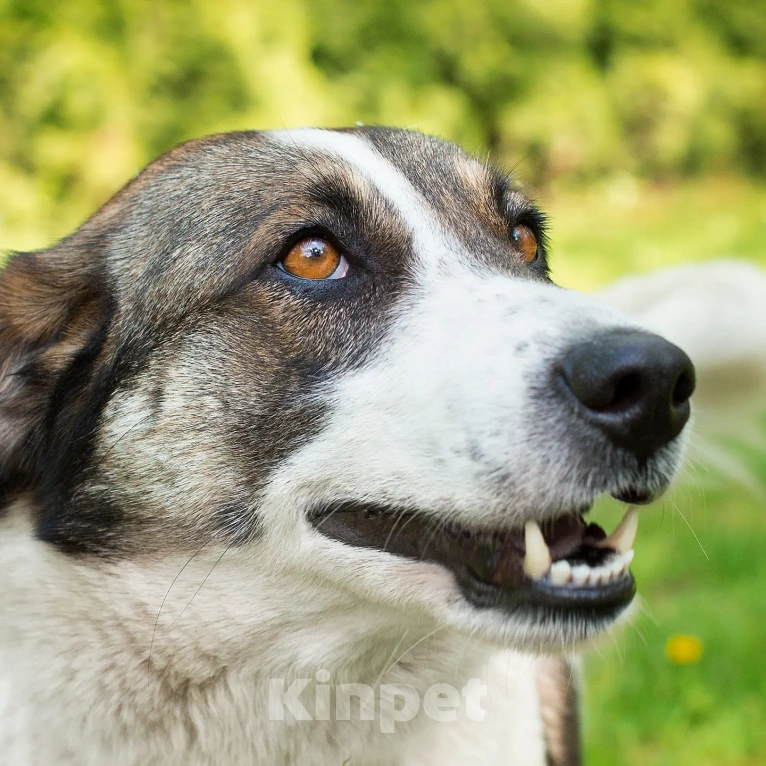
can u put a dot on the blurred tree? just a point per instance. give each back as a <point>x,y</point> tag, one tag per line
<point>90,90</point>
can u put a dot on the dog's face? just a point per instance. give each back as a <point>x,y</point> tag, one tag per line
<point>340,351</point>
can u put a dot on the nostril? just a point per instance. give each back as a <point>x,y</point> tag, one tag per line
<point>683,388</point>
<point>627,392</point>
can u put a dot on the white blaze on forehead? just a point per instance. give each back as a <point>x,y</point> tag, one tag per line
<point>429,239</point>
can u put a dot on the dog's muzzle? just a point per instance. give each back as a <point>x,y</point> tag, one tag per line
<point>626,394</point>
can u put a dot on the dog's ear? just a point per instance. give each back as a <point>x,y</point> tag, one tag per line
<point>50,310</point>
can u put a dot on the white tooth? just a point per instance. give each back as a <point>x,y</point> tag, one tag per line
<point>601,576</point>
<point>621,563</point>
<point>561,571</point>
<point>580,574</point>
<point>537,560</point>
<point>616,566</point>
<point>623,537</point>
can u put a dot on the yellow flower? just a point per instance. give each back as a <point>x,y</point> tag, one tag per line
<point>682,649</point>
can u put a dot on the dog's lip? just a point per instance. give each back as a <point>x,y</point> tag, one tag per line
<point>489,565</point>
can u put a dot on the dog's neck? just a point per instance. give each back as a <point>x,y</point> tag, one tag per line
<point>208,679</point>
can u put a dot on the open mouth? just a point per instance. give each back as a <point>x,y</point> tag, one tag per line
<point>564,565</point>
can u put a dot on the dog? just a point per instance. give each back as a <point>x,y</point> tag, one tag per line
<point>300,411</point>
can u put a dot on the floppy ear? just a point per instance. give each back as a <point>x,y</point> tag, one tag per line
<point>49,311</point>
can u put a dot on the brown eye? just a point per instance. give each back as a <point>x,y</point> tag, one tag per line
<point>525,243</point>
<point>314,258</point>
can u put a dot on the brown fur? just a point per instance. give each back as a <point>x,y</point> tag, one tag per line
<point>557,688</point>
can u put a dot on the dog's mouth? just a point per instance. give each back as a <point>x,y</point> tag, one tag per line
<point>564,565</point>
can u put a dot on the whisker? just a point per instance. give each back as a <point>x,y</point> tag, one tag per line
<point>419,641</point>
<point>167,593</point>
<point>217,561</point>
<point>402,514</point>
<point>385,664</point>
<point>690,529</point>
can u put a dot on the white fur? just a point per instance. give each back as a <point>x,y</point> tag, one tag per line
<point>74,665</point>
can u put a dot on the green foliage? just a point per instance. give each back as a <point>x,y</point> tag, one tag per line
<point>90,90</point>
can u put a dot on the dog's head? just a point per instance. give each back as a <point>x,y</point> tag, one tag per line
<point>341,351</point>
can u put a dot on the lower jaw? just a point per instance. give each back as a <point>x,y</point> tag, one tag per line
<point>591,585</point>
<point>542,602</point>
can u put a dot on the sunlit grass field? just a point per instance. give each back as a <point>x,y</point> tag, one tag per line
<point>701,553</point>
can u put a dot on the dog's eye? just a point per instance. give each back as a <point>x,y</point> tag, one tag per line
<point>525,243</point>
<point>314,258</point>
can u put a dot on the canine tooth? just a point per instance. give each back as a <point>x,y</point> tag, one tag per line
<point>561,571</point>
<point>537,559</point>
<point>580,574</point>
<point>623,537</point>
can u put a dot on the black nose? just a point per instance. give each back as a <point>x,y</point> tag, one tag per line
<point>633,386</point>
